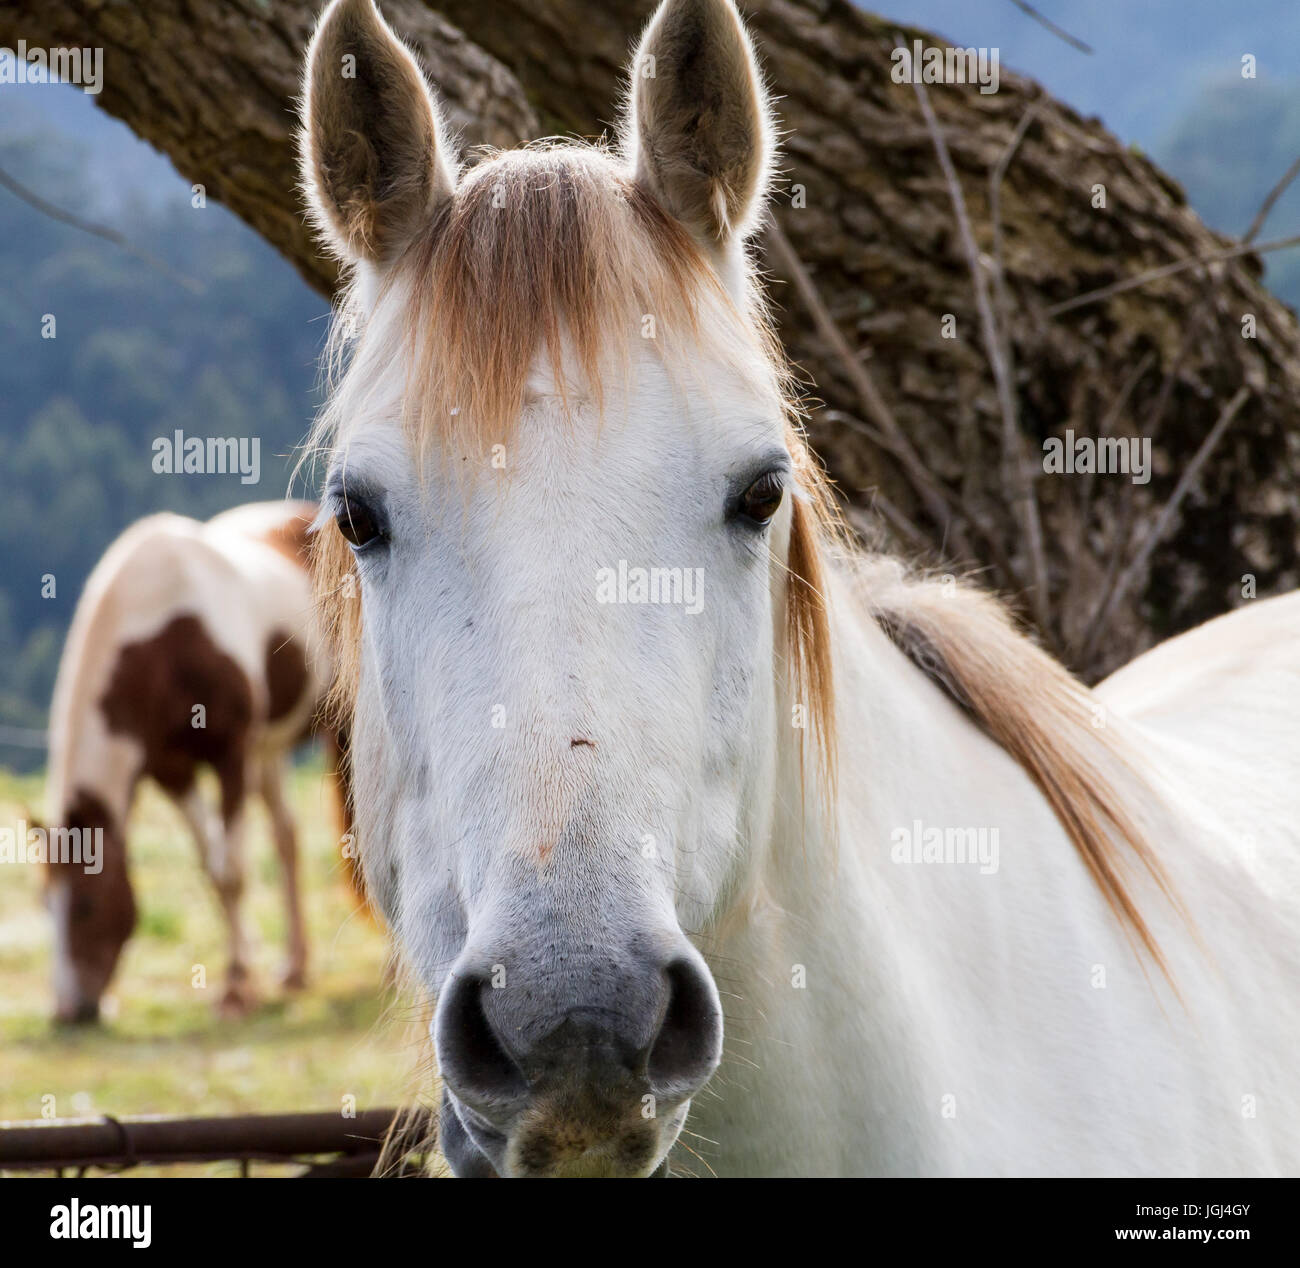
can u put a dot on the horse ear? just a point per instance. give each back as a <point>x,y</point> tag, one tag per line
<point>700,125</point>
<point>372,150</point>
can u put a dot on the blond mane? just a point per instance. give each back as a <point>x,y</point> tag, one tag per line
<point>967,643</point>
<point>554,252</point>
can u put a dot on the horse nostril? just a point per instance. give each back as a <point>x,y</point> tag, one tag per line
<point>689,1044</point>
<point>473,1061</point>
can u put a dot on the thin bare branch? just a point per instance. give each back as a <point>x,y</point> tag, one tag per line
<point>1128,506</point>
<point>1072,40</point>
<point>1168,270</point>
<point>1106,427</point>
<point>98,231</point>
<point>1270,201</point>
<point>882,505</point>
<point>928,489</point>
<point>997,175</point>
<point>999,170</point>
<point>1137,567</point>
<point>1022,485</point>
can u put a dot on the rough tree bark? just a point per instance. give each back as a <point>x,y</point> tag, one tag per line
<point>868,240</point>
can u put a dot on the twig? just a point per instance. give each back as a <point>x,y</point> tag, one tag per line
<point>1004,564</point>
<point>999,170</point>
<point>1125,514</point>
<point>1167,270</point>
<point>930,491</point>
<point>882,504</point>
<point>1109,419</point>
<point>98,231</point>
<point>1072,40</point>
<point>1138,565</point>
<point>996,176</point>
<point>1128,509</point>
<point>1022,487</point>
<point>1267,205</point>
<point>840,419</point>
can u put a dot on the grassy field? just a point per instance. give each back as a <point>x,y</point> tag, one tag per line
<point>163,1048</point>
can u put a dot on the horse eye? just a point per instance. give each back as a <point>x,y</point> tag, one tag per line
<point>762,499</point>
<point>357,522</point>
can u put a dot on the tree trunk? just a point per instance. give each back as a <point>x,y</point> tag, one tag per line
<point>872,279</point>
<point>213,84</point>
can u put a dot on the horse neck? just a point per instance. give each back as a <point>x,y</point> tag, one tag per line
<point>906,754</point>
<point>885,951</point>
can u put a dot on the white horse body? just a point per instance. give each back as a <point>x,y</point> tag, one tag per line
<point>929,983</point>
<point>567,799</point>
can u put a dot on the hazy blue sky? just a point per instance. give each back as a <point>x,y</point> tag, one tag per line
<point>1151,59</point>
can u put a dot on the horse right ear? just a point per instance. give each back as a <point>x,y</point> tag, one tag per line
<point>700,130</point>
<point>372,150</point>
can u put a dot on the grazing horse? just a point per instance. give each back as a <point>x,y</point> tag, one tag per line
<point>192,645</point>
<point>642,742</point>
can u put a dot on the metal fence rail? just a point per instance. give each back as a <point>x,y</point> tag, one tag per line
<point>120,1143</point>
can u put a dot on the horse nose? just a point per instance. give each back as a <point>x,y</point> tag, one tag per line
<point>656,1032</point>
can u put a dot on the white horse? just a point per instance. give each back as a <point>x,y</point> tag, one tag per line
<point>639,745</point>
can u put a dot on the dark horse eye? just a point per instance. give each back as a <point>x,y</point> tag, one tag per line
<point>357,522</point>
<point>762,499</point>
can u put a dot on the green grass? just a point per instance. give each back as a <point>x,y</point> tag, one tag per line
<point>163,1048</point>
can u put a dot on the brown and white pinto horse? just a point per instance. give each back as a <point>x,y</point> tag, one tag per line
<point>192,646</point>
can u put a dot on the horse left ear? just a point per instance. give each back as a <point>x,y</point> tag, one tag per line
<point>700,127</point>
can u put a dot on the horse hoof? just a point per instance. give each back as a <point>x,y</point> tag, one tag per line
<point>237,1002</point>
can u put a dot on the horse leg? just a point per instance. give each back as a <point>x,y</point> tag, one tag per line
<point>212,838</point>
<point>201,820</point>
<point>286,846</point>
<point>226,867</point>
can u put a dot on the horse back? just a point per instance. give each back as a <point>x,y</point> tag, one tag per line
<point>192,644</point>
